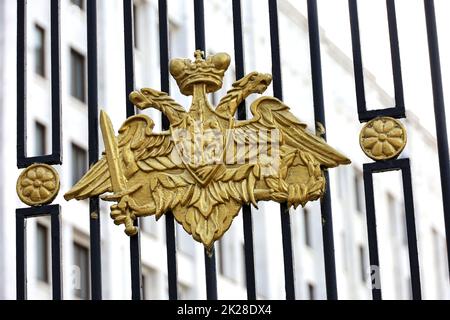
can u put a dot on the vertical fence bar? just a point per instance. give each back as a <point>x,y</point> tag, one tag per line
<point>319,117</point>
<point>21,259</point>
<point>55,47</point>
<point>165,87</point>
<point>56,252</point>
<point>172,276</point>
<point>395,57</point>
<point>21,253</point>
<point>242,115</point>
<point>210,260</point>
<point>357,57</point>
<point>21,81</point>
<point>55,157</point>
<point>411,229</point>
<point>439,114</point>
<point>405,167</point>
<point>135,245</point>
<point>398,111</point>
<point>289,278</point>
<point>371,228</point>
<point>21,286</point>
<point>128,18</point>
<point>94,208</point>
<point>199,16</point>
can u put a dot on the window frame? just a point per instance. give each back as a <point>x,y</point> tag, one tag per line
<point>307,228</point>
<point>73,147</point>
<point>40,136</point>
<point>80,242</point>
<point>75,57</point>
<point>358,189</point>
<point>311,288</point>
<point>136,22</point>
<point>81,5</point>
<point>40,67</point>
<point>46,258</point>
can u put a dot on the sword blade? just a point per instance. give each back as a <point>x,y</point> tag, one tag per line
<point>118,181</point>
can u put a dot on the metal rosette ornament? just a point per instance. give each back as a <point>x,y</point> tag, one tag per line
<point>38,185</point>
<point>383,138</point>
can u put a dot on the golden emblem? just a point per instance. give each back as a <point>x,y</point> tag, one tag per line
<point>383,138</point>
<point>38,185</point>
<point>208,164</point>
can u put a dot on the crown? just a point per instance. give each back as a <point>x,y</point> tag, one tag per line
<point>209,71</point>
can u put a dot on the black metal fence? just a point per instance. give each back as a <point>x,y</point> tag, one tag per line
<point>55,158</point>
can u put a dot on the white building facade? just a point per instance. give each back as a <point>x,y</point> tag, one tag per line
<point>350,235</point>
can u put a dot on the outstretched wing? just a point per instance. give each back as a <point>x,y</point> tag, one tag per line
<point>139,149</point>
<point>270,113</point>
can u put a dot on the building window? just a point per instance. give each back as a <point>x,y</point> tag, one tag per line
<point>213,99</point>
<point>136,13</point>
<point>342,181</point>
<point>79,163</point>
<point>78,3</point>
<point>81,261</point>
<point>173,38</point>
<point>440,263</point>
<point>39,51</point>
<point>358,193</point>
<point>392,211</point>
<point>242,268</point>
<point>184,242</point>
<point>344,251</point>
<point>41,137</point>
<point>145,288</point>
<point>42,253</point>
<point>149,284</point>
<point>311,291</point>
<point>77,75</point>
<point>307,226</point>
<point>221,256</point>
<point>184,292</point>
<point>362,263</point>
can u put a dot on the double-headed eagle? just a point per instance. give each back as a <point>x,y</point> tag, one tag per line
<point>208,164</point>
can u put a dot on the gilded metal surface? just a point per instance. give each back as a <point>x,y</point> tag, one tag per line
<point>208,164</point>
<point>383,138</point>
<point>38,185</point>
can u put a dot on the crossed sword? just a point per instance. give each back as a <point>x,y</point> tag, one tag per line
<point>118,180</point>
